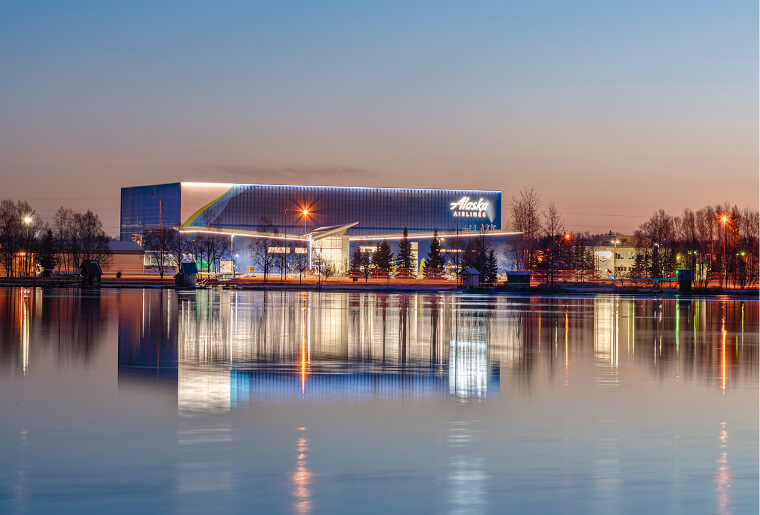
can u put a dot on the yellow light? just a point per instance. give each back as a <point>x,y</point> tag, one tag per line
<point>724,219</point>
<point>305,212</point>
<point>567,236</point>
<point>27,220</point>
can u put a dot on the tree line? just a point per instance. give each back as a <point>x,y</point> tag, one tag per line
<point>380,261</point>
<point>718,241</point>
<point>170,248</point>
<point>69,239</point>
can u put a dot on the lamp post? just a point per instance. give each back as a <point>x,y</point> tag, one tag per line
<point>285,247</point>
<point>724,219</point>
<point>27,251</point>
<point>232,254</point>
<point>614,257</point>
<point>304,212</point>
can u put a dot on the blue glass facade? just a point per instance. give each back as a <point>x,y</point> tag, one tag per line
<point>244,206</point>
<point>149,206</point>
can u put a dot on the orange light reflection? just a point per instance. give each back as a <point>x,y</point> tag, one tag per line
<point>567,330</point>
<point>302,477</point>
<point>723,355</point>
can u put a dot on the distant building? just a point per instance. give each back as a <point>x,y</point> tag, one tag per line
<point>325,223</point>
<point>126,257</point>
<point>614,254</point>
<point>470,278</point>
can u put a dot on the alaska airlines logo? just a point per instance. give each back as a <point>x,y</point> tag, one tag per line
<point>464,207</point>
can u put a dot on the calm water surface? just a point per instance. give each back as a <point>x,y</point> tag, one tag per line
<point>138,401</point>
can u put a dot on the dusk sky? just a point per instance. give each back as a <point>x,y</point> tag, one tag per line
<point>610,109</point>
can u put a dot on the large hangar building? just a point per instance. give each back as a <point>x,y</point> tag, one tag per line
<point>325,222</point>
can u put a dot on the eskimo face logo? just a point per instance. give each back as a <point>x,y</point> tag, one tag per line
<point>464,207</point>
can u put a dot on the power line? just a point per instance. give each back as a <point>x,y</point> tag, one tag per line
<point>59,198</point>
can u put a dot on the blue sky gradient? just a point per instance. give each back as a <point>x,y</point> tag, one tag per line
<point>610,109</point>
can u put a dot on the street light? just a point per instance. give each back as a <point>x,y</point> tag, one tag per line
<point>28,250</point>
<point>616,242</point>
<point>304,212</point>
<point>724,219</point>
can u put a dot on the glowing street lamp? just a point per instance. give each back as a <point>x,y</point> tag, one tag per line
<point>304,212</point>
<point>724,219</point>
<point>28,251</point>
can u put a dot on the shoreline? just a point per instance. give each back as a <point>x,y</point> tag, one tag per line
<point>401,287</point>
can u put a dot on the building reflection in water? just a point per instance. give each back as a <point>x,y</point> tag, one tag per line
<point>70,323</point>
<point>227,347</point>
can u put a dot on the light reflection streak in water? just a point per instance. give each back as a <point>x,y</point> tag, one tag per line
<point>723,475</point>
<point>25,329</point>
<point>723,354</point>
<point>606,476</point>
<point>467,477</point>
<point>301,478</point>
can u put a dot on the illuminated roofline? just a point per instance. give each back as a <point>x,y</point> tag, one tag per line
<point>229,184</point>
<point>425,235</point>
<point>242,232</point>
<point>362,237</point>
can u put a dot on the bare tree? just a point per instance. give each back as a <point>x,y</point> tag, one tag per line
<point>553,225</point>
<point>178,247</point>
<point>526,220</point>
<point>62,227</point>
<point>260,248</point>
<point>655,239</point>
<point>748,262</point>
<point>302,264</point>
<point>20,228</point>
<point>159,241</point>
<point>10,234</point>
<point>553,229</point>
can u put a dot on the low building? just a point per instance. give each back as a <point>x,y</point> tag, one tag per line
<point>127,258</point>
<point>470,278</point>
<point>614,255</point>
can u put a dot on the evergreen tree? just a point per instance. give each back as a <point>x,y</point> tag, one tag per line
<point>356,261</point>
<point>47,253</point>
<point>491,268</point>
<point>434,260</point>
<point>365,265</point>
<point>383,258</point>
<point>405,252</point>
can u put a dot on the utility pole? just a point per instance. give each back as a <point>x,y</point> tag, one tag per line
<point>232,254</point>
<point>725,252</point>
